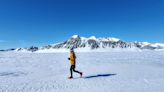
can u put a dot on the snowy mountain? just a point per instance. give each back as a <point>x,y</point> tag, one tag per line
<point>101,43</point>
<point>93,43</point>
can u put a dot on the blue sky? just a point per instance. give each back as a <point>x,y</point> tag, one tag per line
<point>40,22</point>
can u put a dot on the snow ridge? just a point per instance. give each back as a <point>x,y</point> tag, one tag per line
<point>93,43</point>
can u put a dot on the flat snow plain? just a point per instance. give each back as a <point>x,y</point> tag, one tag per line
<point>121,71</point>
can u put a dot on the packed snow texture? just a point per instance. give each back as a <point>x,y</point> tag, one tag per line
<point>125,71</point>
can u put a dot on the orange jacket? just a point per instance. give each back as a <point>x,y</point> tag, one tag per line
<point>72,58</point>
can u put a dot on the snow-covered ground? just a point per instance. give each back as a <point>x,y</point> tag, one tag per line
<point>126,71</point>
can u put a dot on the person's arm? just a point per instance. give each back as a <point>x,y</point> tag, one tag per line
<point>71,57</point>
<point>74,56</point>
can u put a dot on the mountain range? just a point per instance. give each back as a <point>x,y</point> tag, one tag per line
<point>93,43</point>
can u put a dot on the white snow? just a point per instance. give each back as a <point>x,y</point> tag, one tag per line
<point>92,37</point>
<point>52,50</point>
<point>109,39</point>
<point>152,44</point>
<point>121,71</point>
<point>157,44</point>
<point>160,44</point>
<point>100,39</point>
<point>75,36</point>
<point>113,39</point>
<point>87,49</point>
<point>145,43</point>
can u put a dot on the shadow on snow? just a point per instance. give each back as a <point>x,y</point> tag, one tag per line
<point>99,75</point>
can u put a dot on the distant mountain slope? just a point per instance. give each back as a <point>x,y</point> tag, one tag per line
<point>93,43</point>
<point>104,43</point>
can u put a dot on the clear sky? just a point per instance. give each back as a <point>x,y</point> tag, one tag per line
<point>41,22</point>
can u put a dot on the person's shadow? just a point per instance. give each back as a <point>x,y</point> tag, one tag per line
<point>99,75</point>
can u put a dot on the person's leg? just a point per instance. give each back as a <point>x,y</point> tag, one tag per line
<point>71,68</point>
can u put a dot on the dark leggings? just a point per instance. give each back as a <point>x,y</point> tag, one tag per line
<point>73,69</point>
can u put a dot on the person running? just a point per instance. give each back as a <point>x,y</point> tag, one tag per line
<point>72,59</point>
